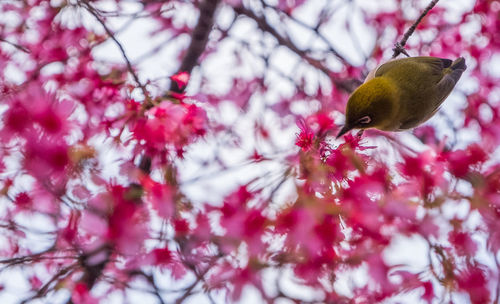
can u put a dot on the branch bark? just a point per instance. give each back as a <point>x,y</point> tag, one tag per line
<point>199,39</point>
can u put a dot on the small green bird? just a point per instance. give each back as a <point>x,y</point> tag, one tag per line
<point>401,94</point>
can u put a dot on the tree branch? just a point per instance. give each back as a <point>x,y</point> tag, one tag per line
<point>63,273</point>
<point>315,29</point>
<point>199,39</point>
<point>284,41</point>
<point>399,46</point>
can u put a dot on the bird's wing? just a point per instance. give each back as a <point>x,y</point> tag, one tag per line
<point>432,65</point>
<point>445,74</point>
<point>429,66</point>
<point>431,77</point>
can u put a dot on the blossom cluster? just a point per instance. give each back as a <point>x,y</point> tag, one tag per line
<point>97,198</point>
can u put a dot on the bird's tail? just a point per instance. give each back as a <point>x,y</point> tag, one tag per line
<point>458,64</point>
<point>457,67</point>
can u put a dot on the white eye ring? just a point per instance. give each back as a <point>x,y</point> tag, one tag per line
<point>364,120</point>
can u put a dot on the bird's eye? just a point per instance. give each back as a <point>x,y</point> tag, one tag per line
<point>364,120</point>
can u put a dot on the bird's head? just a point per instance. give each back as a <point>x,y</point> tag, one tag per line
<point>372,105</point>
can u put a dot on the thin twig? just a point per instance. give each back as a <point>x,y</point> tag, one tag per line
<point>27,258</point>
<point>17,46</point>
<point>151,280</point>
<point>286,42</point>
<point>65,272</point>
<point>315,29</point>
<point>399,46</point>
<point>135,15</point>
<point>93,11</point>
<point>200,277</point>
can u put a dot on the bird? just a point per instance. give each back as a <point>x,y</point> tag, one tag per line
<point>402,93</point>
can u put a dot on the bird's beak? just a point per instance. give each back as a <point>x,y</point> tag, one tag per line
<point>344,130</point>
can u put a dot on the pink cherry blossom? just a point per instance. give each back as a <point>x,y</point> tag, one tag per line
<point>186,151</point>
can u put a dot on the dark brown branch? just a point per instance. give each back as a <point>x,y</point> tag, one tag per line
<point>199,39</point>
<point>28,258</point>
<point>92,271</point>
<point>399,46</point>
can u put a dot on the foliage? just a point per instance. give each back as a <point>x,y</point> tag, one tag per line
<point>193,182</point>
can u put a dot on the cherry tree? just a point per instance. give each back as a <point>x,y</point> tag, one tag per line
<point>185,150</point>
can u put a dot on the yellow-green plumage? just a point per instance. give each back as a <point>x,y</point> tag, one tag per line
<point>402,93</point>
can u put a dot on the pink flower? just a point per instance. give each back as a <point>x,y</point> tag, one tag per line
<point>320,122</point>
<point>35,282</point>
<point>160,196</point>
<point>126,221</point>
<point>463,243</point>
<point>305,136</point>
<point>461,161</point>
<point>425,169</point>
<point>234,279</point>
<point>118,216</point>
<point>428,295</point>
<point>181,227</point>
<point>181,79</point>
<point>17,118</point>
<point>81,295</point>
<point>162,255</point>
<point>289,5</point>
<point>473,281</point>
<point>23,200</point>
<point>168,124</point>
